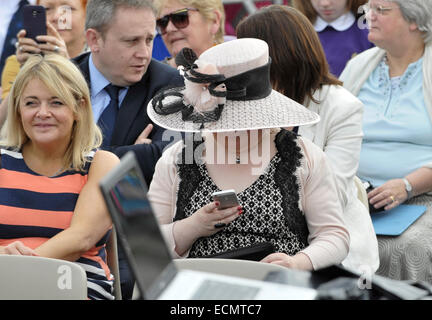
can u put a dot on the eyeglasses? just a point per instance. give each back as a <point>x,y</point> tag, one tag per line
<point>380,10</point>
<point>179,18</point>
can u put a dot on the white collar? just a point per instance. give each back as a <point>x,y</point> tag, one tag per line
<point>342,23</point>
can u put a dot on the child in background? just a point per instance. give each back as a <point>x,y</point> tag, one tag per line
<point>336,23</point>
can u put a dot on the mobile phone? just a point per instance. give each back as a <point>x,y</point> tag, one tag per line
<point>226,198</point>
<point>369,187</point>
<point>34,21</point>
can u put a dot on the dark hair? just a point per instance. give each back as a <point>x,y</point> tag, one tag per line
<point>305,7</point>
<point>299,65</point>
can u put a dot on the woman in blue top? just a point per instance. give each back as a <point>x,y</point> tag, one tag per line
<point>394,82</point>
<point>341,34</point>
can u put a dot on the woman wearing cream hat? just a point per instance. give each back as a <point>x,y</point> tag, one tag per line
<point>286,189</point>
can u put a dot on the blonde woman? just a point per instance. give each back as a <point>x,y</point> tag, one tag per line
<point>50,204</point>
<point>195,24</point>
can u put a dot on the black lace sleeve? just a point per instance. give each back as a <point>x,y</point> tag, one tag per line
<point>190,177</point>
<point>286,180</point>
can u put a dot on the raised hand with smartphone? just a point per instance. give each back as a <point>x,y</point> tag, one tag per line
<point>206,221</point>
<point>38,35</point>
<point>34,21</point>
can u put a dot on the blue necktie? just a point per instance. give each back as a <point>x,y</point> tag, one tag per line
<point>108,117</point>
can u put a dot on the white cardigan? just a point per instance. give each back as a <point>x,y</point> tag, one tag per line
<point>339,135</point>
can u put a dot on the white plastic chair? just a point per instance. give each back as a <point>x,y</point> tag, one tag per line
<point>39,278</point>
<point>231,267</point>
<point>113,264</point>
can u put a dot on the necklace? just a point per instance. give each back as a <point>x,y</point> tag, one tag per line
<point>56,173</point>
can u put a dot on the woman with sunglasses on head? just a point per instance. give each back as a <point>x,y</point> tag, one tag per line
<point>338,29</point>
<point>195,24</point>
<point>394,82</point>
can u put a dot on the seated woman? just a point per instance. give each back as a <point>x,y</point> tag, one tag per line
<point>50,202</point>
<point>65,27</point>
<point>394,82</point>
<point>195,24</point>
<point>286,188</point>
<point>296,50</point>
<point>342,35</point>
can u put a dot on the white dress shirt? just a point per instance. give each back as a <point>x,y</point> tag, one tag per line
<point>99,97</point>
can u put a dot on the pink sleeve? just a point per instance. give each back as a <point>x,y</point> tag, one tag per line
<point>163,194</point>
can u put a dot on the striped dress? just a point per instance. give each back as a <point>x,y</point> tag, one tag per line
<point>34,208</point>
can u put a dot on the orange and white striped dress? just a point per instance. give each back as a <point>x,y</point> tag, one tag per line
<point>34,208</point>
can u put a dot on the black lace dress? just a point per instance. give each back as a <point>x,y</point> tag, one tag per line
<point>270,204</point>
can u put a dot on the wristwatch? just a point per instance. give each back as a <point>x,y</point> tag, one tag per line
<point>408,187</point>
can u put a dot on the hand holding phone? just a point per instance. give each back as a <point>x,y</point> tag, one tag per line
<point>369,187</point>
<point>226,198</point>
<point>34,21</point>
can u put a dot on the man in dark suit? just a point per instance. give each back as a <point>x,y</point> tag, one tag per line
<point>121,50</point>
<point>123,78</point>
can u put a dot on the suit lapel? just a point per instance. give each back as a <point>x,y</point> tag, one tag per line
<point>83,63</point>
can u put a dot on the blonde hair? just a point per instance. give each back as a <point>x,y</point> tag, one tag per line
<point>206,9</point>
<point>66,82</point>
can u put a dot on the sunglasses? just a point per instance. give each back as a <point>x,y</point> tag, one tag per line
<point>180,19</point>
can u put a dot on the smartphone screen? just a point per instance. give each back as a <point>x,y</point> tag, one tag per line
<point>34,21</point>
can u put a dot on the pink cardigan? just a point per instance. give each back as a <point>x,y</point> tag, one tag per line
<point>328,237</point>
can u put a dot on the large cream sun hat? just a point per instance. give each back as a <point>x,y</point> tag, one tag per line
<point>227,89</point>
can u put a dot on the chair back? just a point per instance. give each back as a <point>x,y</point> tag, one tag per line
<point>113,264</point>
<point>39,278</point>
